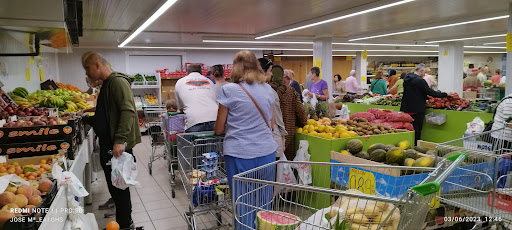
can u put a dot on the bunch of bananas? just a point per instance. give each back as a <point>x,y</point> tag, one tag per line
<point>53,102</point>
<point>150,99</point>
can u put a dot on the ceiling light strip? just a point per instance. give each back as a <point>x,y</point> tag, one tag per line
<point>495,43</point>
<point>469,38</point>
<point>148,22</point>
<point>337,18</point>
<point>214,48</point>
<point>257,42</point>
<point>431,28</point>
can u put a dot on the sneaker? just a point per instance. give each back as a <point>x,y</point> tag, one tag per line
<point>107,205</point>
<point>110,213</point>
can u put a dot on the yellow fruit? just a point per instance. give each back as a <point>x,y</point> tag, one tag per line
<point>306,127</point>
<point>311,128</point>
<point>321,128</point>
<point>311,122</point>
<point>332,129</point>
<point>336,135</point>
<point>344,135</point>
<point>352,134</point>
<point>299,130</point>
<point>313,133</point>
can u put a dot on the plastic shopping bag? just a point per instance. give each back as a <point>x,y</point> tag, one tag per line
<point>68,178</point>
<point>307,98</point>
<point>304,170</point>
<point>343,113</point>
<point>475,127</point>
<point>124,171</point>
<point>284,174</point>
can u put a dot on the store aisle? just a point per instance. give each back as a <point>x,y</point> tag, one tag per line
<point>152,204</point>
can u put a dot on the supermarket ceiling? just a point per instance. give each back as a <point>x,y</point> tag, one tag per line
<point>188,23</point>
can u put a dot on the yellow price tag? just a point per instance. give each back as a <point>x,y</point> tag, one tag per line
<point>365,54</point>
<point>41,75</point>
<point>277,58</point>
<point>362,181</point>
<point>317,62</point>
<point>445,53</point>
<point>509,42</point>
<point>31,61</point>
<point>27,74</point>
<point>349,58</point>
<point>434,203</point>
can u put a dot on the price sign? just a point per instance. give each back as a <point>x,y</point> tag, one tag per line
<point>365,54</point>
<point>509,42</point>
<point>434,203</point>
<point>362,181</point>
<point>349,58</point>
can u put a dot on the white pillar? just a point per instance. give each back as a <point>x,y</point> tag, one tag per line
<point>508,82</point>
<point>322,49</point>
<point>361,68</point>
<point>451,58</point>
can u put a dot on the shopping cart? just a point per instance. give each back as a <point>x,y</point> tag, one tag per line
<point>173,124</point>
<point>256,206</point>
<point>153,123</point>
<point>482,184</point>
<point>204,179</point>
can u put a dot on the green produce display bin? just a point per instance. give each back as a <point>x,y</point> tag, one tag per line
<point>320,151</point>
<point>452,129</point>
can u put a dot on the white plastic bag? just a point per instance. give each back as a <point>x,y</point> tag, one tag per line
<point>124,171</point>
<point>284,174</point>
<point>343,113</point>
<point>304,170</point>
<point>317,221</point>
<point>307,98</point>
<point>77,220</point>
<point>68,178</point>
<point>475,127</point>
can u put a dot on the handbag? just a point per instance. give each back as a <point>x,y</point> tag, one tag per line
<point>256,104</point>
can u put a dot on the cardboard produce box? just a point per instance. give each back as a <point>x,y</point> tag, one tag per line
<point>30,149</point>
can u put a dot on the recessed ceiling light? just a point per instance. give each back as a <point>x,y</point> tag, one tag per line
<point>431,28</point>
<point>495,43</point>
<point>148,22</point>
<point>337,18</point>
<point>469,38</point>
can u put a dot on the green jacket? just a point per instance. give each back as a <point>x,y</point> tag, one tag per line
<point>120,109</point>
<point>378,86</point>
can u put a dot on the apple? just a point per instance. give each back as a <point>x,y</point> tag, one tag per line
<point>20,113</point>
<point>52,122</point>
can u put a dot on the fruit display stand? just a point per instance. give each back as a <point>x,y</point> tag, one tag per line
<point>452,129</point>
<point>320,151</point>
<point>56,219</point>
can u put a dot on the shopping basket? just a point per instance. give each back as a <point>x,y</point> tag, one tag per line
<point>202,172</point>
<point>173,124</point>
<point>482,184</point>
<point>155,129</point>
<point>257,207</point>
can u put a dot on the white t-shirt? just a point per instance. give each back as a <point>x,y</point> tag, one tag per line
<point>196,94</point>
<point>482,77</point>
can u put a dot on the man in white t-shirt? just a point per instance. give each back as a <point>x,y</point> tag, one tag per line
<point>195,96</point>
<point>482,76</point>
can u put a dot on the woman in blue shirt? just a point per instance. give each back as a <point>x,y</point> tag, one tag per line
<point>248,141</point>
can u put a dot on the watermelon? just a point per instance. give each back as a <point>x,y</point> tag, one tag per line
<point>274,220</point>
<point>487,83</point>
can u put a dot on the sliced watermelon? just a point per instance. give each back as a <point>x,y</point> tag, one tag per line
<point>274,220</point>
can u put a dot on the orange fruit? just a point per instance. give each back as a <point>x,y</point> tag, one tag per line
<point>112,225</point>
<point>31,178</point>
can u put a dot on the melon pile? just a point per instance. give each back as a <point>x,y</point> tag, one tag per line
<point>400,155</point>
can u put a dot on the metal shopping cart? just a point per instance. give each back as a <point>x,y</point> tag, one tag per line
<point>257,206</point>
<point>153,123</point>
<point>173,124</point>
<point>204,178</point>
<point>482,184</point>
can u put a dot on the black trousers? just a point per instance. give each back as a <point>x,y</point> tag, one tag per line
<point>418,125</point>
<point>121,197</point>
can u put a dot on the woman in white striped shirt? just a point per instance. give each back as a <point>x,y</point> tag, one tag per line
<point>503,115</point>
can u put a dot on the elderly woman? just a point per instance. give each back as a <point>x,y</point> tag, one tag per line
<point>245,116</point>
<point>288,79</point>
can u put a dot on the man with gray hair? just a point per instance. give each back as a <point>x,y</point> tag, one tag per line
<point>416,92</point>
<point>351,84</point>
<point>482,76</point>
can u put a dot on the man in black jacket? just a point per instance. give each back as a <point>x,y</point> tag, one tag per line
<point>415,96</point>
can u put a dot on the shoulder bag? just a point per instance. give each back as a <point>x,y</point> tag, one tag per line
<point>256,104</point>
<point>489,124</point>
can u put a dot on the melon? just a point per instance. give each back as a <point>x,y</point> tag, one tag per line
<point>423,162</point>
<point>395,156</point>
<point>431,153</point>
<point>487,83</point>
<point>363,155</point>
<point>388,147</point>
<point>408,162</point>
<point>420,149</point>
<point>354,146</point>
<point>375,147</point>
<point>378,155</point>
<point>345,152</point>
<point>274,220</point>
<point>404,145</point>
<point>411,153</point>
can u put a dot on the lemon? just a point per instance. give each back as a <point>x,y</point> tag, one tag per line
<point>321,128</point>
<point>332,130</point>
<point>299,130</point>
<point>313,133</point>
<point>352,134</point>
<point>306,127</point>
<point>311,128</point>
<point>344,135</point>
<point>336,135</point>
<point>328,134</point>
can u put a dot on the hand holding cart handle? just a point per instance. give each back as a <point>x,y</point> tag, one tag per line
<point>433,186</point>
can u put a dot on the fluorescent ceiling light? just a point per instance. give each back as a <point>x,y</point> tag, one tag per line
<point>470,38</point>
<point>376,44</point>
<point>431,28</point>
<point>495,43</point>
<point>483,52</point>
<point>148,22</point>
<point>214,48</point>
<point>485,47</point>
<point>398,55</point>
<point>337,18</point>
<point>257,42</point>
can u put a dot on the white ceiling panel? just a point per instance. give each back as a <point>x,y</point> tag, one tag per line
<point>115,14</point>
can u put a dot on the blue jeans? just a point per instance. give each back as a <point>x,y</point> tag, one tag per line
<point>248,193</point>
<point>201,127</point>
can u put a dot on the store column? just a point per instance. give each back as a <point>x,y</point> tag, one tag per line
<point>508,81</point>
<point>361,65</point>
<point>451,58</point>
<point>322,58</point>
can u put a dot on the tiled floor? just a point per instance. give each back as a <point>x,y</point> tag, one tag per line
<point>152,205</point>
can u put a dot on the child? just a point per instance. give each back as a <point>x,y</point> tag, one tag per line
<point>171,105</point>
<point>176,123</point>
